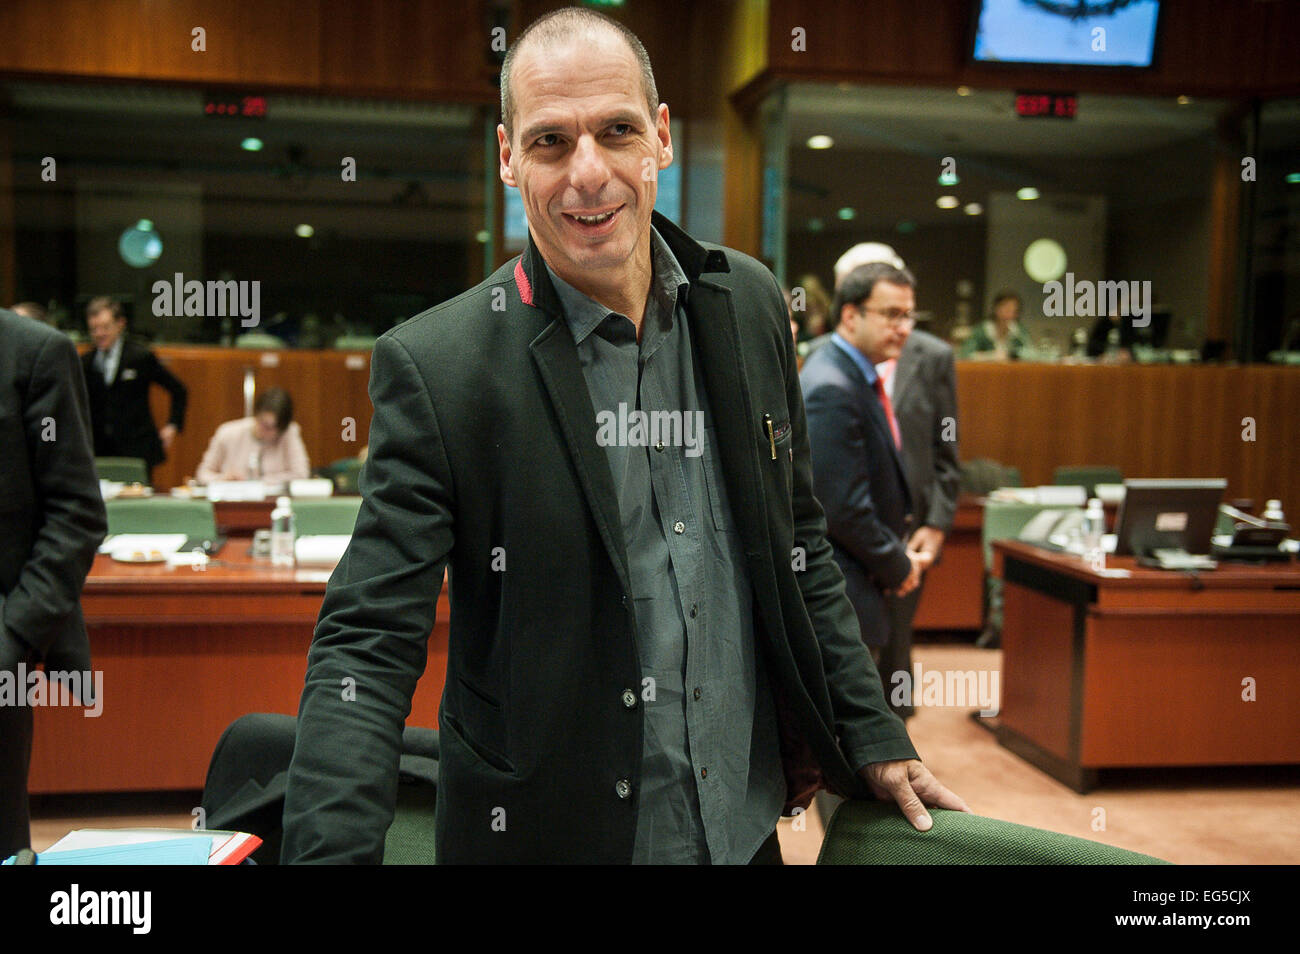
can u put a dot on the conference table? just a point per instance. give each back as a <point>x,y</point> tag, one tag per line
<point>184,652</point>
<point>1153,668</point>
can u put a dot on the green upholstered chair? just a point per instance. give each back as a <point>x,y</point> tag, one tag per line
<point>876,833</point>
<point>344,472</point>
<point>194,518</point>
<point>325,515</point>
<point>1088,476</point>
<point>410,837</point>
<point>1003,520</point>
<point>127,470</point>
<point>981,475</point>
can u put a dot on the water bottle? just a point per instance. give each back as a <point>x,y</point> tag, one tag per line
<point>282,533</point>
<point>1094,526</point>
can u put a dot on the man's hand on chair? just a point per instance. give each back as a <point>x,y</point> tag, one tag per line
<point>912,785</point>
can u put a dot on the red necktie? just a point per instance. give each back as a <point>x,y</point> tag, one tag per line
<point>888,405</point>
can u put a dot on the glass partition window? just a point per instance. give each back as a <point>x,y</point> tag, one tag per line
<point>978,200</point>
<point>323,221</point>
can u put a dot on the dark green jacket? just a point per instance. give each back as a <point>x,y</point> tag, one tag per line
<point>484,437</point>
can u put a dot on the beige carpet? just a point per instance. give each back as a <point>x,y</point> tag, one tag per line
<point>1188,816</point>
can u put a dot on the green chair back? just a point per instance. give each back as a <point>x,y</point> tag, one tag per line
<point>1004,519</point>
<point>344,472</point>
<point>981,475</point>
<point>325,515</point>
<point>876,833</point>
<point>128,470</point>
<point>1088,476</point>
<point>194,518</point>
<point>410,837</point>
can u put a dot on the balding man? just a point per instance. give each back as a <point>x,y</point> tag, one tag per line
<point>651,654</point>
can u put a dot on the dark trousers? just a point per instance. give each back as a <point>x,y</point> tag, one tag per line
<point>15,760</point>
<point>896,655</point>
<point>769,852</point>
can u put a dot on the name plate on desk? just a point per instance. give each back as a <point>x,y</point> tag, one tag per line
<point>236,490</point>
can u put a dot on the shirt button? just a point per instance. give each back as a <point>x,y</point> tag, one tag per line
<point>660,447</point>
<point>695,609</point>
<point>623,788</point>
<point>698,693</point>
<point>704,773</point>
<point>679,527</point>
<point>629,698</point>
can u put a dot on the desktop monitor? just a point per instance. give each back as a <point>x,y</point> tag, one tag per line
<point>1168,514</point>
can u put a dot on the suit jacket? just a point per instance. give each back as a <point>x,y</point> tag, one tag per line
<point>50,506</point>
<point>484,459</point>
<point>925,396</point>
<point>123,423</point>
<point>858,476</point>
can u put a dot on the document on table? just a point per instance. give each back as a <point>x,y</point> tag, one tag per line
<point>144,542</point>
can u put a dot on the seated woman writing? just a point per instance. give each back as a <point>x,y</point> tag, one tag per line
<point>267,446</point>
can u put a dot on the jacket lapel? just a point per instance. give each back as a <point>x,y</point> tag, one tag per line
<point>556,357</point>
<point>875,410</point>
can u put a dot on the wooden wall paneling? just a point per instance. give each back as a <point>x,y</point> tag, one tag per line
<point>1150,421</point>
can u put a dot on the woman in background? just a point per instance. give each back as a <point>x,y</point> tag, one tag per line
<point>267,446</point>
<point>1001,337</point>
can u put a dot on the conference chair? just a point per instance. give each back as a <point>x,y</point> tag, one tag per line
<point>259,340</point>
<point>344,472</point>
<point>194,518</point>
<point>982,475</point>
<point>247,777</point>
<point>875,833</point>
<point>1087,476</point>
<point>355,343</point>
<point>325,515</point>
<point>127,470</point>
<point>1003,520</point>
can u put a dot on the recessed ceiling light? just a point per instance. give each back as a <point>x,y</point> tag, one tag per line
<point>947,202</point>
<point>251,144</point>
<point>847,214</point>
<point>1027,193</point>
<point>820,142</point>
<point>304,231</point>
<point>948,179</point>
<point>974,208</point>
<point>1293,178</point>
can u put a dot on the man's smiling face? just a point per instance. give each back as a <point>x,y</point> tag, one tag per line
<point>585,155</point>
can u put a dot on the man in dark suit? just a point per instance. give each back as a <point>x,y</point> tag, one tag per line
<point>53,520</point>
<point>636,669</point>
<point>118,374</point>
<point>858,471</point>
<point>922,389</point>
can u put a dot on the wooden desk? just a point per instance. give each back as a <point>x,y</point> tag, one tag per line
<point>184,653</point>
<point>1151,670</point>
<point>953,597</point>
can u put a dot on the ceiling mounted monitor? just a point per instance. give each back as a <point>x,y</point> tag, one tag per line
<point>1070,33</point>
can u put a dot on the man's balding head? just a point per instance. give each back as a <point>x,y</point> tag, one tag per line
<point>566,24</point>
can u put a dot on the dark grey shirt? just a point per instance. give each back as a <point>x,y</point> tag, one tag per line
<point>712,786</point>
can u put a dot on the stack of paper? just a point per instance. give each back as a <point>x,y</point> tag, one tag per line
<point>324,549</point>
